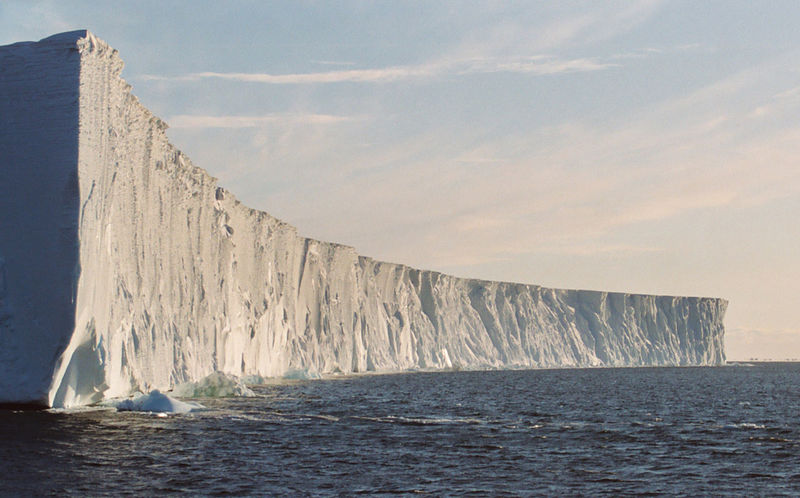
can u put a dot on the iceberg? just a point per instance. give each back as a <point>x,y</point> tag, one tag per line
<point>125,268</point>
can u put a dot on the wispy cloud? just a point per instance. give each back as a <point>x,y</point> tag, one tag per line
<point>646,52</point>
<point>573,189</point>
<point>382,75</point>
<point>540,65</point>
<point>522,46</point>
<point>194,121</point>
<point>517,30</point>
<point>537,65</point>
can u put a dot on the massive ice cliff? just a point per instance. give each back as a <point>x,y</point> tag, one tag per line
<point>123,267</point>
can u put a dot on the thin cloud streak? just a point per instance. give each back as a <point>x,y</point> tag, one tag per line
<point>539,65</point>
<point>354,76</point>
<point>536,65</point>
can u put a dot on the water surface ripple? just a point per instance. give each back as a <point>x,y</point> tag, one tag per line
<point>726,430</point>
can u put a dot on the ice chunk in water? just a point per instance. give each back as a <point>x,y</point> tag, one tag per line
<point>157,402</point>
<point>216,385</point>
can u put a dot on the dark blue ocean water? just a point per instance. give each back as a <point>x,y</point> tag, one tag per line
<point>726,430</point>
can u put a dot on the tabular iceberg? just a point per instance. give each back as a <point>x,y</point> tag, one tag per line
<point>125,268</point>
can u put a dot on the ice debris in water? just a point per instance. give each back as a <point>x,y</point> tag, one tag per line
<point>302,374</point>
<point>156,402</point>
<point>216,385</point>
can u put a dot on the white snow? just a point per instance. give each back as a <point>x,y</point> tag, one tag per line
<point>129,269</point>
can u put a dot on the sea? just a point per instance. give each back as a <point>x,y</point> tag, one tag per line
<point>730,430</point>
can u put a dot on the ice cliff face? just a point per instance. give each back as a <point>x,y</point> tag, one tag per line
<point>124,267</point>
<point>39,112</point>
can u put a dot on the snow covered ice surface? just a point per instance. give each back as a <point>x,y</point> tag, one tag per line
<point>126,268</point>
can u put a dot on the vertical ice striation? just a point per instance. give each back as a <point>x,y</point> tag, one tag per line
<point>124,267</point>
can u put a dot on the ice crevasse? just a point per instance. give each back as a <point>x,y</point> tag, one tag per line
<point>125,268</point>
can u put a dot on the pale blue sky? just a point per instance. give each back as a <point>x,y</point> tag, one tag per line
<point>632,146</point>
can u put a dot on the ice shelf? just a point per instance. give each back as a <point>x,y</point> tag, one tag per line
<point>125,268</point>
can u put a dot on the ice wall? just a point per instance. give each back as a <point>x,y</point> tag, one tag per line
<point>178,279</point>
<point>38,212</point>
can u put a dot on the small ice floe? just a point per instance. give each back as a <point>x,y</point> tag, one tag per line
<point>156,402</point>
<point>745,425</point>
<point>216,385</point>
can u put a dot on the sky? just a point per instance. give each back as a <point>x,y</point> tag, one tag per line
<point>635,146</point>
